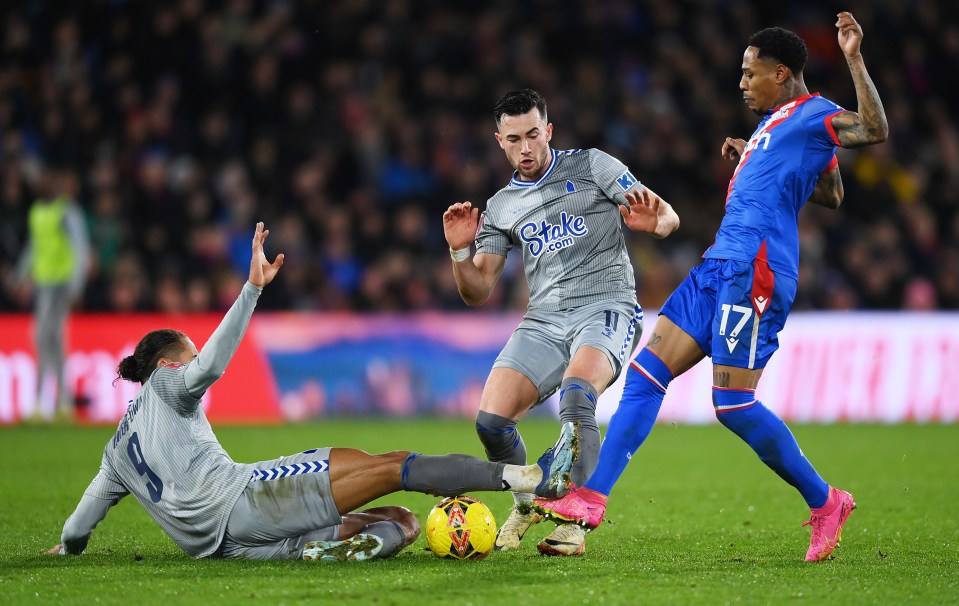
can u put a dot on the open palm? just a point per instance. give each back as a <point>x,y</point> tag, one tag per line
<point>459,224</point>
<point>262,271</point>
<point>642,214</point>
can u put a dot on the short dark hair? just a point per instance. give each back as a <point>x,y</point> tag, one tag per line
<point>518,102</point>
<point>163,343</point>
<point>782,46</point>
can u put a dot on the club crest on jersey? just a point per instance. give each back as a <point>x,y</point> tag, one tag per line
<point>546,237</point>
<point>782,112</point>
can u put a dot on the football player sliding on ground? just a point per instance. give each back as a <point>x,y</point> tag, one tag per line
<point>165,454</point>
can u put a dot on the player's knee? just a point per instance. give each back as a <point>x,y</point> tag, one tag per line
<point>496,431</point>
<point>407,522</point>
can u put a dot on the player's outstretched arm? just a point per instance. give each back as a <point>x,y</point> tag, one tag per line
<point>475,277</point>
<point>828,191</point>
<point>867,126</point>
<point>211,363</point>
<point>646,212</point>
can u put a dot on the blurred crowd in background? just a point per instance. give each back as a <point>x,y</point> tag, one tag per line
<point>349,127</point>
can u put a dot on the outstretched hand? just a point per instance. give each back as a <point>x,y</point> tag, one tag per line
<point>459,224</point>
<point>642,214</point>
<point>262,271</point>
<point>850,34</point>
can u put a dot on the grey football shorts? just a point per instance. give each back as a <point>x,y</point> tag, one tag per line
<point>287,504</point>
<point>543,344</point>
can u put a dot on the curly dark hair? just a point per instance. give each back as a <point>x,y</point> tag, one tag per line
<point>518,102</point>
<point>782,46</point>
<point>163,343</point>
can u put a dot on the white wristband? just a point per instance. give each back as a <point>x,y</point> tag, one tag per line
<point>461,254</point>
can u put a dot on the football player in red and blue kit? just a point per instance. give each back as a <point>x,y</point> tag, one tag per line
<point>733,305</point>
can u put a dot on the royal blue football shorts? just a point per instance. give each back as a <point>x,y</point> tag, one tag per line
<point>733,309</point>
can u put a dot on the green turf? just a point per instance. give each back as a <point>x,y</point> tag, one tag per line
<point>696,520</point>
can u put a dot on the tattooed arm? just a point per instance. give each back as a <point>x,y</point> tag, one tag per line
<point>868,125</point>
<point>828,191</point>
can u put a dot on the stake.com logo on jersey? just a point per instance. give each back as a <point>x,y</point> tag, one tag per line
<point>546,237</point>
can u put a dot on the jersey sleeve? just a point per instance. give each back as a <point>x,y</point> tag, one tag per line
<point>104,492</point>
<point>490,238</point>
<point>612,176</point>
<point>169,383</point>
<point>817,120</point>
<point>212,360</point>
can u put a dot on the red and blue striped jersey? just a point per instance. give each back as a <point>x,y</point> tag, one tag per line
<point>777,172</point>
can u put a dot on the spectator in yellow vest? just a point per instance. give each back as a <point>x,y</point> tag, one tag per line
<point>55,260</point>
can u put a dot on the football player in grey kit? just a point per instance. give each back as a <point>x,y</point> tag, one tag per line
<point>165,454</point>
<point>564,209</point>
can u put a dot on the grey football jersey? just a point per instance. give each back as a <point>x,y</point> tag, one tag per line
<point>165,454</point>
<point>570,229</point>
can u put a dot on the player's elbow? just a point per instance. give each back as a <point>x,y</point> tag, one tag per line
<point>475,293</point>
<point>837,194</point>
<point>474,300</point>
<point>879,132</point>
<point>838,198</point>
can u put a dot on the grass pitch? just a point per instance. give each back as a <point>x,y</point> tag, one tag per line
<point>696,519</point>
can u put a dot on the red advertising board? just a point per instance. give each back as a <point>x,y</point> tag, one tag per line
<point>246,393</point>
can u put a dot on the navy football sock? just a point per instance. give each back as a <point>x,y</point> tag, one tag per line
<point>766,433</point>
<point>646,382</point>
